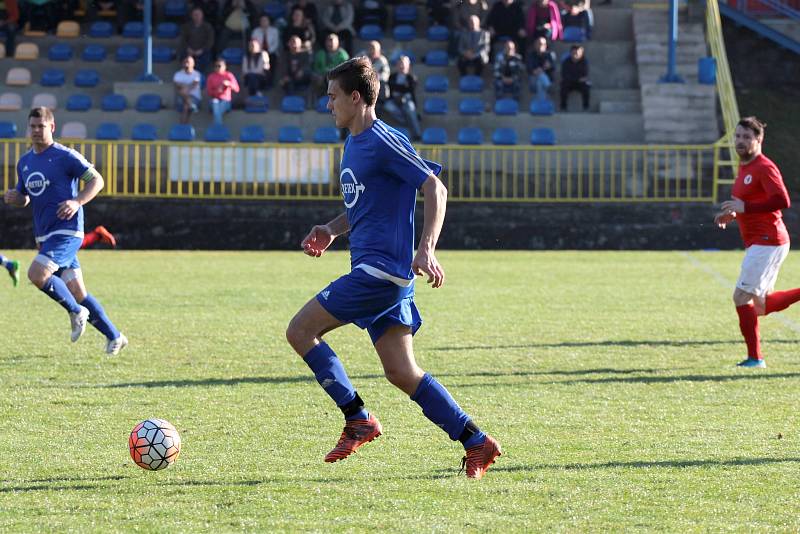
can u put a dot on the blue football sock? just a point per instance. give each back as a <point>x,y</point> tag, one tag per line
<point>330,374</point>
<point>439,406</point>
<point>56,289</point>
<point>475,439</point>
<point>98,318</point>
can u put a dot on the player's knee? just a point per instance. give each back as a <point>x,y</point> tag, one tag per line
<point>296,335</point>
<point>402,378</point>
<point>37,275</point>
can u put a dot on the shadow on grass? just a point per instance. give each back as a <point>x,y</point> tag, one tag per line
<point>740,375</point>
<point>46,484</point>
<point>610,343</point>
<point>660,464</point>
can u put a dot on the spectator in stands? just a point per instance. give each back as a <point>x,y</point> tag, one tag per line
<point>324,60</point>
<point>301,27</point>
<point>541,67</point>
<point>210,10</point>
<point>474,45</point>
<point>220,86</point>
<point>269,38</point>
<point>505,21</point>
<point>466,9</point>
<point>508,71</point>
<point>338,18</point>
<point>575,76</point>
<point>9,23</point>
<point>544,20</point>
<point>402,101</point>
<point>580,16</point>
<point>310,13</point>
<point>256,69</point>
<point>238,17</point>
<point>197,39</point>
<point>42,15</point>
<point>381,66</point>
<point>187,89</point>
<point>371,12</point>
<point>297,75</point>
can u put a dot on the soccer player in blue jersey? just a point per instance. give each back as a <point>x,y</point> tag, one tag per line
<point>380,176</point>
<point>47,178</point>
<point>12,266</point>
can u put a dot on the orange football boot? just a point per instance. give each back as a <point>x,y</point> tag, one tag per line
<point>480,457</point>
<point>356,433</point>
<point>106,236</point>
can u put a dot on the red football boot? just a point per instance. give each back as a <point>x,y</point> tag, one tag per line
<point>106,236</point>
<point>356,433</point>
<point>480,457</point>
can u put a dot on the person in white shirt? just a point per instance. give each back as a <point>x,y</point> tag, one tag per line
<point>268,37</point>
<point>187,89</point>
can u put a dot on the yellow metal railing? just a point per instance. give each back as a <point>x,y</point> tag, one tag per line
<point>724,153</point>
<point>595,173</point>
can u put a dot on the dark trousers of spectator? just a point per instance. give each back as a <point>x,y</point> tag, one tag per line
<point>405,112</point>
<point>10,29</point>
<point>464,65</point>
<point>41,17</point>
<point>501,89</point>
<point>257,82</point>
<point>568,87</point>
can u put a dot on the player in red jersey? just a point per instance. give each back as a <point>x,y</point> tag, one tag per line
<point>757,199</point>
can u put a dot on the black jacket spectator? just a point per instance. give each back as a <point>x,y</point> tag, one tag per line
<point>575,77</point>
<point>506,20</point>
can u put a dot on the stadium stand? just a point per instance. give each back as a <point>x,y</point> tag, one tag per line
<point>8,130</point>
<point>504,136</point>
<point>87,78</point>
<point>94,53</point>
<point>252,133</point>
<point>73,130</point>
<point>108,131</point>
<point>47,100</point>
<point>52,78</point>
<point>542,107</point>
<point>68,29</point>
<point>543,136</point>
<point>326,134</point>
<point>101,29</point>
<point>437,83</point>
<point>293,104</point>
<point>471,106</point>
<point>470,135</point>
<point>114,102</point>
<point>434,136</point>
<point>144,132</point>
<point>10,102</point>
<point>290,134</point>
<point>60,52</point>
<point>26,52</point>
<point>217,133</point>
<point>79,102</point>
<point>181,132</point>
<point>148,103</point>
<point>127,53</point>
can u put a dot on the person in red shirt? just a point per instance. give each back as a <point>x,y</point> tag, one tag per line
<point>220,85</point>
<point>757,198</point>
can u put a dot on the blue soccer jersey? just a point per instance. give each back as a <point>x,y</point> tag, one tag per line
<point>50,178</point>
<point>380,175</point>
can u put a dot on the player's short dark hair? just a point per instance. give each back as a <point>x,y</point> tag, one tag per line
<point>357,74</point>
<point>753,124</point>
<point>41,112</point>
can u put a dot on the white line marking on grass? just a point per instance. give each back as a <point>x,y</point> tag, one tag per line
<point>728,284</point>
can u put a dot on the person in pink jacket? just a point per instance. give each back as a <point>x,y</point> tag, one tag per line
<point>220,86</point>
<point>544,20</point>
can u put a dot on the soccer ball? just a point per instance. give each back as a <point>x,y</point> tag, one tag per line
<point>154,444</point>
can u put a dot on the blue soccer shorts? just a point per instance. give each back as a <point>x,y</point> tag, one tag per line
<point>60,252</point>
<point>370,303</point>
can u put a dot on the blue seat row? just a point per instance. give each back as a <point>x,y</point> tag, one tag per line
<point>474,136</point>
<point>403,32</point>
<point>127,53</point>
<point>135,30</point>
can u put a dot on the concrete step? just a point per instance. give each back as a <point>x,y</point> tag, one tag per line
<point>620,107</point>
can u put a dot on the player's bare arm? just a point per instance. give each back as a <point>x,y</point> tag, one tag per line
<point>94,184</point>
<point>322,235</point>
<point>14,198</point>
<point>425,262</point>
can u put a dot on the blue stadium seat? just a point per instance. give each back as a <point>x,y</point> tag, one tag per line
<point>52,78</point>
<point>256,104</point>
<point>217,133</point>
<point>94,53</point>
<point>293,104</point>
<point>127,53</point>
<point>434,136</point>
<point>573,34</point>
<point>326,134</point>
<point>470,136</point>
<point>114,102</point>
<point>543,136</point>
<point>322,104</point>
<point>437,83</point>
<point>253,133</point>
<point>435,106</point>
<point>232,55</point>
<point>87,78</point>
<point>167,30</point>
<point>144,132</point>
<point>275,10</point>
<point>79,102</point>
<point>436,58</point>
<point>406,14</point>
<point>542,107</point>
<point>370,32</point>
<point>707,70</point>
<point>404,32</point>
<point>471,106</point>
<point>176,9</point>
<point>148,103</point>
<point>163,54</point>
<point>108,131</point>
<point>470,84</point>
<point>506,106</point>
<point>397,52</point>
<point>8,130</point>
<point>438,33</point>
<point>290,134</point>
<point>181,132</point>
<point>133,30</point>
<point>504,136</point>
<point>60,52</point>
<point>101,29</point>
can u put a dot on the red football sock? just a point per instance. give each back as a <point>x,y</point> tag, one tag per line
<point>89,239</point>
<point>748,324</point>
<point>780,300</point>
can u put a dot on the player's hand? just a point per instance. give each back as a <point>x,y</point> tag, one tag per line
<point>12,197</point>
<point>68,209</point>
<point>425,263</point>
<point>723,218</point>
<point>735,205</point>
<point>317,241</point>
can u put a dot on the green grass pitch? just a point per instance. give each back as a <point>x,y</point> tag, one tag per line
<point>607,377</point>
